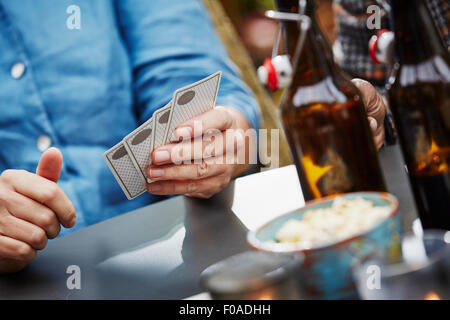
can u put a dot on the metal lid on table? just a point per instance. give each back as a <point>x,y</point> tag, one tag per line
<point>249,271</point>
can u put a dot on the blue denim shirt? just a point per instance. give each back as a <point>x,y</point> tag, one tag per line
<point>84,89</point>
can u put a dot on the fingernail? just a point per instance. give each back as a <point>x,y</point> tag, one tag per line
<point>156,173</point>
<point>162,156</point>
<point>209,149</point>
<point>184,132</point>
<point>155,187</point>
<point>373,124</point>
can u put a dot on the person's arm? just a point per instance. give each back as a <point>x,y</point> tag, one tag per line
<point>172,44</point>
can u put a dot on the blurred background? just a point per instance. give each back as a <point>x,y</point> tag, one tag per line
<point>248,37</point>
<point>258,32</point>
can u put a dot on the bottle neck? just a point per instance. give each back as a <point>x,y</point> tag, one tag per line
<point>417,38</point>
<point>315,62</point>
<point>291,28</point>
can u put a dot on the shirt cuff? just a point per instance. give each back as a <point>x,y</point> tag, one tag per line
<point>249,108</point>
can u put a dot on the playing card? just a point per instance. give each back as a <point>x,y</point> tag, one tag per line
<point>129,159</point>
<point>161,120</point>
<point>139,145</point>
<point>191,101</point>
<point>121,165</point>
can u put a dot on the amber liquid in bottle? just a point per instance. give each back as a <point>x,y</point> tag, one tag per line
<point>420,101</point>
<point>325,120</point>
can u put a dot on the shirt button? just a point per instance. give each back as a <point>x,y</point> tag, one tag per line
<point>43,143</point>
<point>18,70</point>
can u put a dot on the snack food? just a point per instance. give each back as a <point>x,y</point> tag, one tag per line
<point>345,218</point>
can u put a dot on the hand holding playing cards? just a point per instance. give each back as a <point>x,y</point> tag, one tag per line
<point>216,164</point>
<point>32,207</point>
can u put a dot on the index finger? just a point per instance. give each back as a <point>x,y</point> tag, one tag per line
<point>218,118</point>
<point>44,191</point>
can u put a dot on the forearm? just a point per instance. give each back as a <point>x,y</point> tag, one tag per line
<point>173,46</point>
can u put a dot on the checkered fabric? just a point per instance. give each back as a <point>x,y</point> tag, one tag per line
<point>353,36</point>
<point>440,9</point>
<point>353,39</point>
<point>355,7</point>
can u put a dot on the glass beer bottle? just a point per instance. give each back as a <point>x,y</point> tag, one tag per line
<point>324,118</point>
<point>419,94</point>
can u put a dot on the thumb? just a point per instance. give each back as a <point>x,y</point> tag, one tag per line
<point>50,165</point>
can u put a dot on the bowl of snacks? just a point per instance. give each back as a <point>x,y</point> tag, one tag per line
<point>331,233</point>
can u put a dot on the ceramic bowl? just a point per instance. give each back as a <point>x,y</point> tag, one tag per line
<point>327,270</point>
